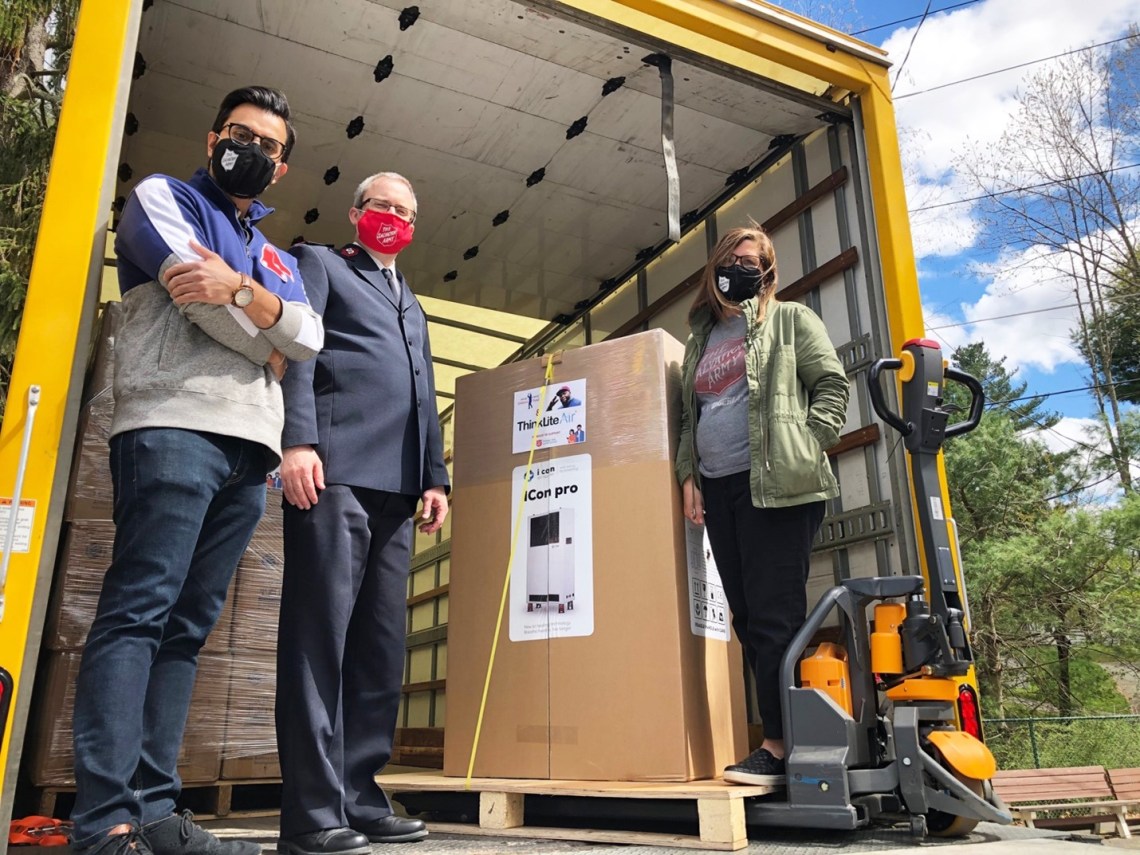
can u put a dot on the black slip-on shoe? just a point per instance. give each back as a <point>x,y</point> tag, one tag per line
<point>760,768</point>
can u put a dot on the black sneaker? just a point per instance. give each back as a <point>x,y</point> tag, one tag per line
<point>760,768</point>
<point>180,835</point>
<point>132,842</point>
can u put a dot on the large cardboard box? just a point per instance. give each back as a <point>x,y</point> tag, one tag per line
<point>601,671</point>
<point>52,756</point>
<point>250,749</point>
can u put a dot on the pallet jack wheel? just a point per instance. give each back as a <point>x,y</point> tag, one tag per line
<point>941,824</point>
<point>918,827</point>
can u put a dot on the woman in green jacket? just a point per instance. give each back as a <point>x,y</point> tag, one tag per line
<point>764,396</point>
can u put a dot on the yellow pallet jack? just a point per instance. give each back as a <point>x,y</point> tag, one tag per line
<point>885,727</point>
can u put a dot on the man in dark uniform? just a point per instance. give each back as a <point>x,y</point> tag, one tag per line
<point>361,445</point>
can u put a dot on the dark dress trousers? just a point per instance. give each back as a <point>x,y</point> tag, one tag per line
<point>367,405</point>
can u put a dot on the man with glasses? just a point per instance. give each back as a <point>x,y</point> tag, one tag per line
<point>211,311</point>
<point>362,447</point>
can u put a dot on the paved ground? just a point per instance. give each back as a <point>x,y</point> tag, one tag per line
<point>987,839</point>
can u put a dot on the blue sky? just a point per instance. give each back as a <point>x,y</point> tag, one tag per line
<point>964,286</point>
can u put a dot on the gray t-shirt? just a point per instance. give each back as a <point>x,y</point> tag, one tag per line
<point>721,386</point>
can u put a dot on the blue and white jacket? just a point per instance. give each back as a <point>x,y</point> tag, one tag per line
<point>202,367</point>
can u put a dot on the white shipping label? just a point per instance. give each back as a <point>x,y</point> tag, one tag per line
<point>709,615</point>
<point>936,508</point>
<point>552,568</point>
<point>559,420</point>
<point>25,517</point>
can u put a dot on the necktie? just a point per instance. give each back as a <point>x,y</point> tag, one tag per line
<point>391,282</point>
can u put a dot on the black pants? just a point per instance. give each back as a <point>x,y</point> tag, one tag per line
<point>340,657</point>
<point>763,555</point>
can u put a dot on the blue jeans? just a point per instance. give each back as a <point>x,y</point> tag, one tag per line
<point>186,505</point>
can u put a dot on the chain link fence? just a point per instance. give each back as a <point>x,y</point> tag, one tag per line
<point>1112,741</point>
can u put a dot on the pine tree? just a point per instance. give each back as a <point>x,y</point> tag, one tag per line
<point>35,46</point>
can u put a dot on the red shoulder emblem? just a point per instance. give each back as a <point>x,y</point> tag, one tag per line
<point>272,261</point>
<point>349,251</point>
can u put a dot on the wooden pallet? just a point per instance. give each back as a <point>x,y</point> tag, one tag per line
<point>208,800</point>
<point>720,808</point>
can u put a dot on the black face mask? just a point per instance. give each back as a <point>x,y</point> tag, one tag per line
<point>738,283</point>
<point>243,171</point>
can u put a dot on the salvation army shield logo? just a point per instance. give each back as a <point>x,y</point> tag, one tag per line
<point>387,235</point>
<point>229,158</point>
<point>721,367</point>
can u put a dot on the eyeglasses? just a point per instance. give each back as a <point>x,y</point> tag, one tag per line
<point>271,148</point>
<point>386,206</point>
<point>748,262</point>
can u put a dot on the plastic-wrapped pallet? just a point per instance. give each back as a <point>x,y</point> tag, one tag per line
<point>250,748</point>
<point>51,753</point>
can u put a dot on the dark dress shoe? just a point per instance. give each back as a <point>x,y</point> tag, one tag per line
<point>394,829</point>
<point>329,841</point>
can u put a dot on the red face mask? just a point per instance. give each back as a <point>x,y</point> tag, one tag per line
<point>383,232</point>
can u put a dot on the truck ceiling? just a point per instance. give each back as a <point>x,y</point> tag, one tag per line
<point>532,133</point>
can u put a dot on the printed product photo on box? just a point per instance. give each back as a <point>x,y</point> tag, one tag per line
<point>552,576</point>
<point>558,418</point>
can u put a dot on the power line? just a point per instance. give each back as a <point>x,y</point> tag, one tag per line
<point>912,18</point>
<point>1117,300</point>
<point>1082,487</point>
<point>1010,68</point>
<point>997,193</point>
<point>1088,388</point>
<point>917,30</point>
<point>1126,460</point>
<point>1004,317</point>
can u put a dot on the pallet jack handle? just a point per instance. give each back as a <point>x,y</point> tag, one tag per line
<point>923,425</point>
<point>977,401</point>
<point>879,402</point>
<point>923,372</point>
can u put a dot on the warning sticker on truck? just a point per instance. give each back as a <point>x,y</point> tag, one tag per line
<point>25,517</point>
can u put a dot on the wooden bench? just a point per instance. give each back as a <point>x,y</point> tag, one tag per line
<point>1126,786</point>
<point>1082,795</point>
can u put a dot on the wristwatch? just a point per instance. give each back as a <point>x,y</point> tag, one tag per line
<point>243,294</point>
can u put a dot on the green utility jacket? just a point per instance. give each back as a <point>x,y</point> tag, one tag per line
<point>797,403</point>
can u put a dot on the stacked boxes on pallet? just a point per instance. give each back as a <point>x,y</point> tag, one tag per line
<point>229,732</point>
<point>250,750</point>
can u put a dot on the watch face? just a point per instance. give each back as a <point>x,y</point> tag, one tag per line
<point>243,297</point>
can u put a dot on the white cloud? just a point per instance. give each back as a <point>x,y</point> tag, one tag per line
<point>943,232</point>
<point>1069,433</point>
<point>946,330</point>
<point>1026,313</point>
<point>1085,437</point>
<point>982,38</point>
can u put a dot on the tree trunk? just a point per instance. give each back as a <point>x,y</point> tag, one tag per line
<point>1064,679</point>
<point>23,57</point>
